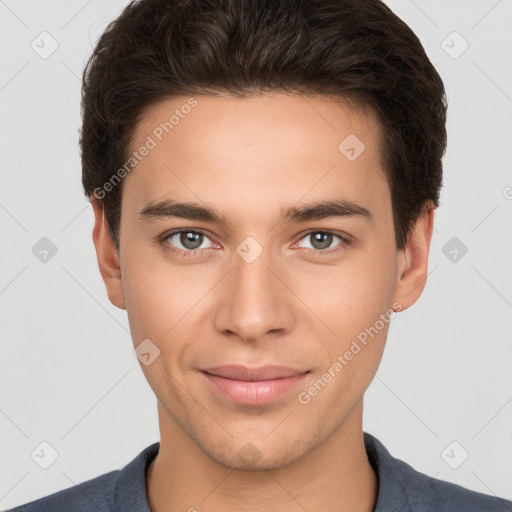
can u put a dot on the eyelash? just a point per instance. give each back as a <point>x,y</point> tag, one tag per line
<point>344,242</point>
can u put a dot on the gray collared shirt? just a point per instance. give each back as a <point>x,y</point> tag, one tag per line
<point>401,489</point>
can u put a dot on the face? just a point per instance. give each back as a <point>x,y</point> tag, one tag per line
<point>259,232</point>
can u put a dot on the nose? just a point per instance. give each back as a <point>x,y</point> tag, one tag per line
<point>254,300</point>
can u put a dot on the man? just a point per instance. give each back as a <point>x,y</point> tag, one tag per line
<point>264,176</point>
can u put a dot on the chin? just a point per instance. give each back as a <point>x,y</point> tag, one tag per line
<point>253,455</point>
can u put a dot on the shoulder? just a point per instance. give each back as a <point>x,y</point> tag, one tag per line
<point>402,488</point>
<point>427,493</point>
<point>448,497</point>
<point>95,494</point>
<point>121,489</point>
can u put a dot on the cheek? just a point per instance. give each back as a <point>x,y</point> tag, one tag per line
<point>351,296</point>
<point>160,310</point>
<point>165,304</point>
<point>152,305</point>
<point>354,301</point>
<point>152,298</point>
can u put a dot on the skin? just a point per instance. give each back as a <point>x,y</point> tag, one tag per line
<point>251,158</point>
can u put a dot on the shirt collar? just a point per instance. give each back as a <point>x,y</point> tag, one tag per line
<point>392,475</point>
<point>131,486</point>
<point>390,495</point>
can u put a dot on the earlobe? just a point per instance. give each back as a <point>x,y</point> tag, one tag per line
<point>413,260</point>
<point>107,255</point>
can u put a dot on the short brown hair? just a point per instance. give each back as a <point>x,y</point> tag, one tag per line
<point>353,49</point>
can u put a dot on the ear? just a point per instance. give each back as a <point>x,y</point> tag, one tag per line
<point>108,257</point>
<point>413,260</point>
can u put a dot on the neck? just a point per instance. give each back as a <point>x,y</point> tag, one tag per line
<point>335,475</point>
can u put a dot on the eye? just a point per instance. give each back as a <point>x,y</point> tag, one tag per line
<point>187,240</point>
<point>321,241</point>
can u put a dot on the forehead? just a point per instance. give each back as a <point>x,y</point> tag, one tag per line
<point>256,151</point>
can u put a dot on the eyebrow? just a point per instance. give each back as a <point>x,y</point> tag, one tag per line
<point>311,211</point>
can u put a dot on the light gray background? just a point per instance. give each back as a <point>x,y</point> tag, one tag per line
<point>68,375</point>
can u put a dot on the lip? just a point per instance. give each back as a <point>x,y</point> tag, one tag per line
<point>253,386</point>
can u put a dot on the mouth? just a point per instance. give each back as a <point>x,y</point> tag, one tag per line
<point>253,386</point>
